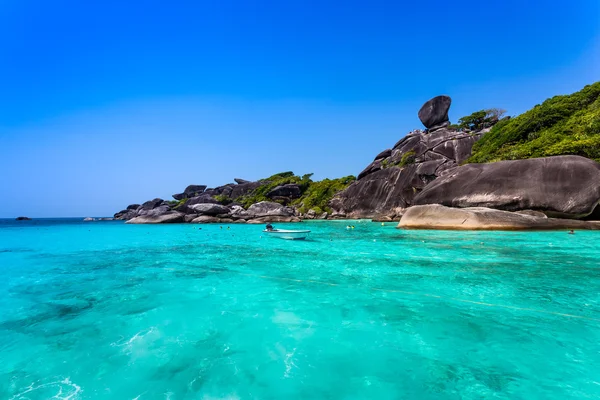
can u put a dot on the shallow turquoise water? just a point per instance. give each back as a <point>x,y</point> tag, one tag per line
<point>115,311</point>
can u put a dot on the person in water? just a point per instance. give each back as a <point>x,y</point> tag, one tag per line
<point>270,227</point>
<point>571,232</point>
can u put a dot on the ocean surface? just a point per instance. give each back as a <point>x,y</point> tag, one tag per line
<point>105,310</point>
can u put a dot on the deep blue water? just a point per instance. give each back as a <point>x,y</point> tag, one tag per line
<point>115,311</point>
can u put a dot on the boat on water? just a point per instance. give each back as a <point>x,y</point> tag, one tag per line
<point>287,234</point>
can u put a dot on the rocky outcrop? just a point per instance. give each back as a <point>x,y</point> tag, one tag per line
<point>189,192</point>
<point>392,182</point>
<point>23,219</point>
<point>151,204</point>
<point>277,218</point>
<point>284,194</point>
<point>240,181</point>
<point>168,217</point>
<point>209,209</point>
<point>269,209</point>
<point>435,216</point>
<point>561,186</point>
<point>88,219</point>
<point>434,113</point>
<point>243,189</point>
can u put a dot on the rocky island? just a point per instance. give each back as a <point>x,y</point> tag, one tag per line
<point>539,170</point>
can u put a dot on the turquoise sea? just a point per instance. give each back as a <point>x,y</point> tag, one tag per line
<point>105,310</point>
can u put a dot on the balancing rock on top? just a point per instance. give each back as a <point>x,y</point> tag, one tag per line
<point>434,113</point>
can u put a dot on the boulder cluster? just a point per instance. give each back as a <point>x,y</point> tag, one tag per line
<point>197,204</point>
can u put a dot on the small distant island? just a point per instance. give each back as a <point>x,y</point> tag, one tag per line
<point>538,170</point>
<point>23,219</point>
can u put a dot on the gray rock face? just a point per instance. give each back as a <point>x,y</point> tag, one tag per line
<point>202,199</point>
<point>243,189</point>
<point>384,186</point>
<point>190,191</point>
<point>205,219</point>
<point>290,190</point>
<point>273,218</point>
<point>434,113</point>
<point>379,193</point>
<point>155,211</point>
<point>169,217</point>
<point>383,154</point>
<point>435,216</point>
<point>241,181</point>
<point>561,186</point>
<point>267,208</point>
<point>209,209</point>
<point>150,204</point>
<point>133,207</point>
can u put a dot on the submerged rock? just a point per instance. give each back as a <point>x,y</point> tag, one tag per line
<point>435,216</point>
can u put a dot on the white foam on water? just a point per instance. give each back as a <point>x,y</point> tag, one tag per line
<point>289,363</point>
<point>71,390</point>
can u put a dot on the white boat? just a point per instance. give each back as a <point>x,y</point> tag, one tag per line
<point>287,234</point>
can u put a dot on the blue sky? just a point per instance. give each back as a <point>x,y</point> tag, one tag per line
<point>108,103</point>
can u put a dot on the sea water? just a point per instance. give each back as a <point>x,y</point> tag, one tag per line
<point>113,311</point>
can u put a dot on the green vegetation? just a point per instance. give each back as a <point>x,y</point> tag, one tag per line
<point>222,199</point>
<point>318,194</point>
<point>560,125</point>
<point>314,195</point>
<point>480,119</point>
<point>176,203</point>
<point>407,159</point>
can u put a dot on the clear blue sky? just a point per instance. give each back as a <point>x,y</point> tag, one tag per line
<point>107,103</point>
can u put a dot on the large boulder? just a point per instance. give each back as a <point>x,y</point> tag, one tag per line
<point>290,190</point>
<point>150,204</point>
<point>243,189</point>
<point>209,209</point>
<point>435,216</point>
<point>189,192</point>
<point>561,186</point>
<point>268,208</point>
<point>240,181</point>
<point>125,215</point>
<point>169,217</point>
<point>155,211</point>
<point>434,113</point>
<point>133,207</point>
<point>205,219</point>
<point>379,194</point>
<point>204,198</point>
<point>273,218</point>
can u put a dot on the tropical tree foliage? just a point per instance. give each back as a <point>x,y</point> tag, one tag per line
<point>567,124</point>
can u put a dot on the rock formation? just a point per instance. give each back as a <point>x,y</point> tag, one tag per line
<point>434,113</point>
<point>392,180</point>
<point>190,191</point>
<point>435,216</point>
<point>23,219</point>
<point>167,217</point>
<point>561,186</point>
